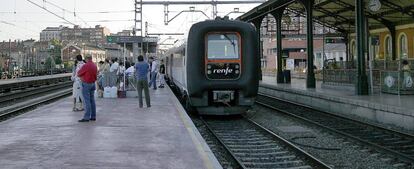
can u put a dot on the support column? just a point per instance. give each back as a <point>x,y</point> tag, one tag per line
<point>310,78</point>
<point>136,51</point>
<point>347,48</point>
<point>362,80</point>
<point>393,43</point>
<point>278,17</point>
<point>257,23</point>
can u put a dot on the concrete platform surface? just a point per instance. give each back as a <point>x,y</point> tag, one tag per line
<point>123,136</point>
<point>381,108</point>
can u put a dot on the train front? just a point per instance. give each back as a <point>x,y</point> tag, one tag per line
<point>223,67</point>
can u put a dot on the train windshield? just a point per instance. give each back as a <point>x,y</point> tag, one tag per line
<point>223,46</point>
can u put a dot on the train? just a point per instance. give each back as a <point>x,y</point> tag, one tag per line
<point>216,69</point>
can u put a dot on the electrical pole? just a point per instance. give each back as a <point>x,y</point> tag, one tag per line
<point>138,27</point>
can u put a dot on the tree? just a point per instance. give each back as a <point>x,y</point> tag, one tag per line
<point>48,63</point>
<point>55,49</point>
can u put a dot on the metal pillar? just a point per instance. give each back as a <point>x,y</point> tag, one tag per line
<point>393,43</point>
<point>278,17</point>
<point>257,23</point>
<point>310,78</point>
<point>362,80</point>
<point>138,24</point>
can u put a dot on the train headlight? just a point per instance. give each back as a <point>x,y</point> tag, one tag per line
<point>237,71</point>
<point>209,72</point>
<point>237,66</point>
<point>208,66</point>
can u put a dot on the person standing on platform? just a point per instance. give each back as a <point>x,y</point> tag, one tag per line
<point>154,66</point>
<point>406,68</point>
<point>408,80</point>
<point>105,73</point>
<point>113,70</point>
<point>162,73</point>
<point>77,88</point>
<point>129,73</point>
<point>101,65</point>
<point>120,75</point>
<point>88,75</point>
<point>142,68</point>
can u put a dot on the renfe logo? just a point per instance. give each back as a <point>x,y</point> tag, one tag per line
<point>223,71</point>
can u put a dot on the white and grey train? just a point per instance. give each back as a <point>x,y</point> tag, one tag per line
<point>216,69</point>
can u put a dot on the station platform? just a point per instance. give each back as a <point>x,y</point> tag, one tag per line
<point>124,136</point>
<point>383,109</point>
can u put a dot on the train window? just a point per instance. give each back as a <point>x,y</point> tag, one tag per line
<point>223,46</point>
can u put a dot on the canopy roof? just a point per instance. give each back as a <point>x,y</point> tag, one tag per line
<point>340,14</point>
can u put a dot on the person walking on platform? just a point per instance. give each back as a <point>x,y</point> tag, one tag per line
<point>154,66</point>
<point>162,73</point>
<point>88,75</point>
<point>77,88</point>
<point>142,68</point>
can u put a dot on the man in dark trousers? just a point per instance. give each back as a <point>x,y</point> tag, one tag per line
<point>162,73</point>
<point>88,75</point>
<point>141,69</point>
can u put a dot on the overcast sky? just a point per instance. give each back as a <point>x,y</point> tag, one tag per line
<point>20,19</point>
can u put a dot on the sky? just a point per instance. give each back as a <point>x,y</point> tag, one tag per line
<point>20,19</point>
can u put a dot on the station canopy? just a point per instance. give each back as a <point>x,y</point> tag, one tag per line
<point>340,14</point>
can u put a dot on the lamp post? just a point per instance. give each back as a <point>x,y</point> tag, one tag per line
<point>83,49</point>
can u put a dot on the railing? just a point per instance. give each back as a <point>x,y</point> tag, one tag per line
<point>339,76</point>
<point>29,73</point>
<point>397,82</point>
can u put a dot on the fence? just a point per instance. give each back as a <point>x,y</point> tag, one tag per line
<point>29,73</point>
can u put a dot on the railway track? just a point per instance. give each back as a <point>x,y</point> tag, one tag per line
<point>18,102</point>
<point>20,95</point>
<point>253,146</point>
<point>397,144</point>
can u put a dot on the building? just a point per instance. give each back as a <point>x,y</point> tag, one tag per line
<point>69,52</point>
<point>95,36</point>
<point>11,52</point>
<point>380,47</point>
<point>123,33</point>
<point>51,33</point>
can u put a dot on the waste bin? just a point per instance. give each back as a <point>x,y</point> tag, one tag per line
<point>286,75</point>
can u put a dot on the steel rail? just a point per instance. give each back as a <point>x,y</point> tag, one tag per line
<point>309,159</point>
<point>312,159</point>
<point>224,145</point>
<point>8,111</point>
<point>28,92</point>
<point>380,148</point>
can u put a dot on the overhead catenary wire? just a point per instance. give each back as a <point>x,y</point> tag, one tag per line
<point>66,10</point>
<point>51,12</point>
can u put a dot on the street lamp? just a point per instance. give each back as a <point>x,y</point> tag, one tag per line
<point>83,49</point>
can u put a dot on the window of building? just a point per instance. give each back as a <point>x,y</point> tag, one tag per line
<point>353,50</point>
<point>388,47</point>
<point>403,49</point>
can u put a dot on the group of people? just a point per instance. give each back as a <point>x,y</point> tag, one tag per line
<point>86,74</point>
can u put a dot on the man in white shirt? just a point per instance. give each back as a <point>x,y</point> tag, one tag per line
<point>112,71</point>
<point>114,66</point>
<point>154,70</point>
<point>130,75</point>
